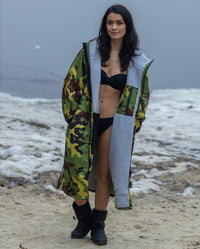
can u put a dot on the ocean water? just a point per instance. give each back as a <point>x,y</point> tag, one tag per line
<point>29,82</point>
<point>33,135</point>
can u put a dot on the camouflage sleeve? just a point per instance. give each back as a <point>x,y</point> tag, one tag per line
<point>73,86</point>
<point>143,103</point>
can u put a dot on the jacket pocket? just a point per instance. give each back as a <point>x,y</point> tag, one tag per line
<point>127,101</point>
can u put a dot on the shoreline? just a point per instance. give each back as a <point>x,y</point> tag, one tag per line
<point>166,182</point>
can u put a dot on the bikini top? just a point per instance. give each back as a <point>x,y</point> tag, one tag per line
<point>117,81</point>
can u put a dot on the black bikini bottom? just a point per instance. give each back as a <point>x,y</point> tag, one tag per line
<point>104,124</point>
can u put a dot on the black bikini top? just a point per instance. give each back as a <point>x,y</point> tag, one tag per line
<point>117,81</point>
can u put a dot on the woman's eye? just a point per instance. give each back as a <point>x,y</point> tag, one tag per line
<point>117,23</point>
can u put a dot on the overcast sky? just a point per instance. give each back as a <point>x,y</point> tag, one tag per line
<point>47,34</point>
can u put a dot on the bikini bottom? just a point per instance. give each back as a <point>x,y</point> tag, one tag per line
<point>104,124</point>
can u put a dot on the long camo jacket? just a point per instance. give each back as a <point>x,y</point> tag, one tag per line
<point>78,110</point>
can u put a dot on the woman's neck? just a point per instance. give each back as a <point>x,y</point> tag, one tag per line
<point>116,45</point>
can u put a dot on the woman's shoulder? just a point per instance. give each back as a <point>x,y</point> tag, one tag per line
<point>92,46</point>
<point>140,59</point>
<point>92,41</point>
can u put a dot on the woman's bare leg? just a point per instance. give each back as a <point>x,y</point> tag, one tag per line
<point>103,171</point>
<point>80,202</point>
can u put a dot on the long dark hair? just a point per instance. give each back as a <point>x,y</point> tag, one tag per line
<point>130,41</point>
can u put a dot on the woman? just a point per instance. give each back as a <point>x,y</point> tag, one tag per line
<point>105,96</point>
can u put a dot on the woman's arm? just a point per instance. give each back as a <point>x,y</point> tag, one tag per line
<point>143,103</point>
<point>73,86</point>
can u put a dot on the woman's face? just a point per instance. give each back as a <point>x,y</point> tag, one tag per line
<point>116,27</point>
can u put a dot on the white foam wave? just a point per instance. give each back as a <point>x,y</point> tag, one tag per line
<point>33,135</point>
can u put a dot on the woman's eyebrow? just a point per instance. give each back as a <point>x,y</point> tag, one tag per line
<point>116,20</point>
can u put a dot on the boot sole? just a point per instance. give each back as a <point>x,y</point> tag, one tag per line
<point>99,242</point>
<point>73,236</point>
<point>78,237</point>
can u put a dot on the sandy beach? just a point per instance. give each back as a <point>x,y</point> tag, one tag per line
<point>165,173</point>
<point>35,217</point>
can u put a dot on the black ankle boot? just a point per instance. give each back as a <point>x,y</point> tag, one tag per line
<point>98,235</point>
<point>83,214</point>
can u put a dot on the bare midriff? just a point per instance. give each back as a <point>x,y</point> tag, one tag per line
<point>108,101</point>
